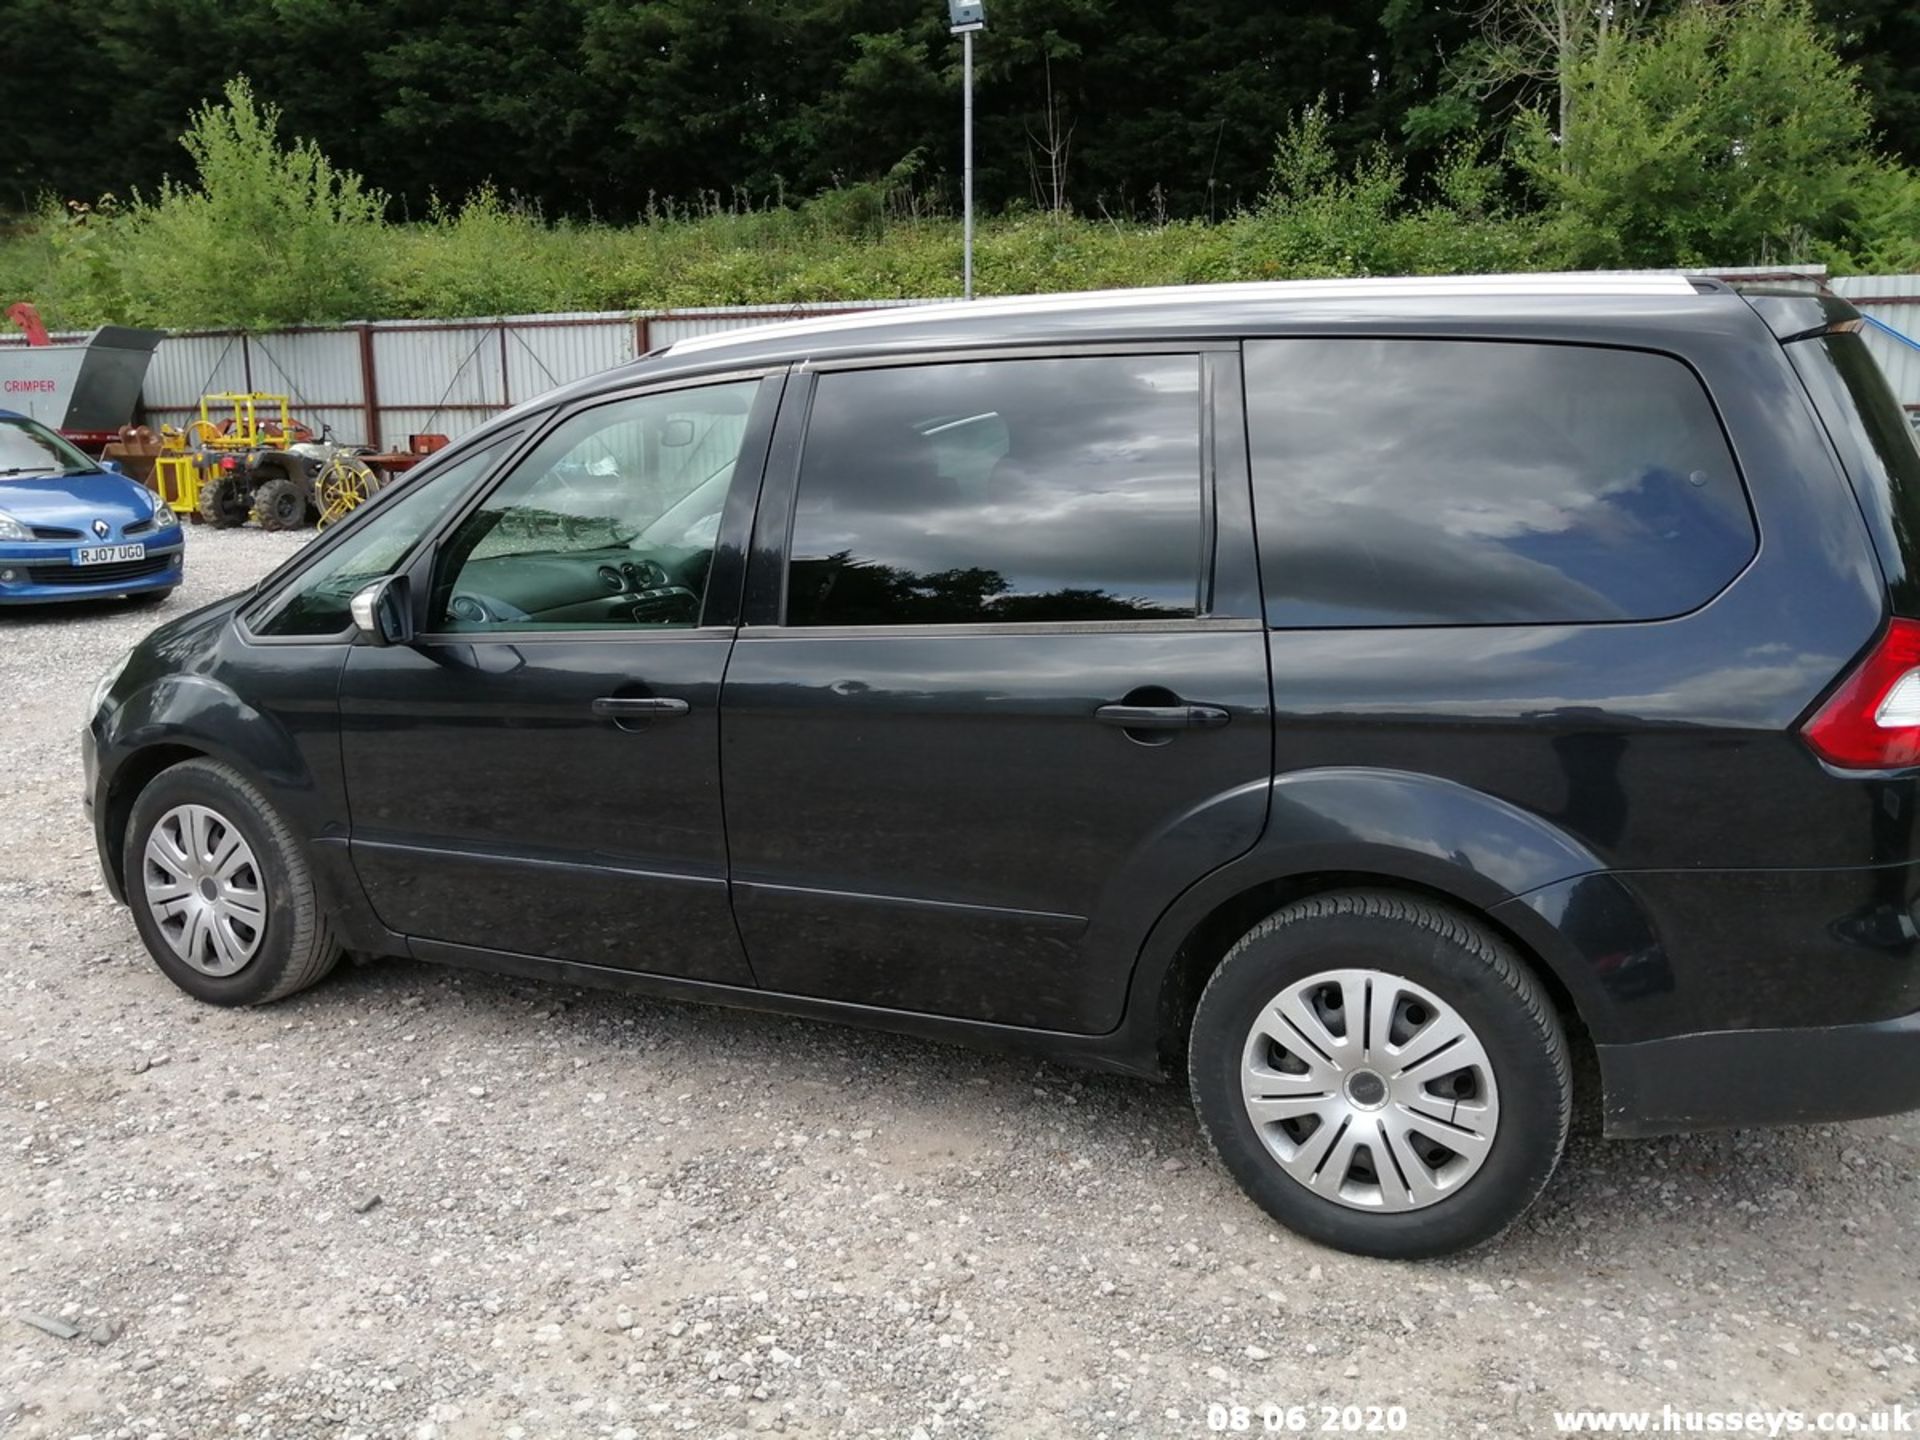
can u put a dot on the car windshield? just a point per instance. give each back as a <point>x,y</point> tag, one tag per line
<point>28,448</point>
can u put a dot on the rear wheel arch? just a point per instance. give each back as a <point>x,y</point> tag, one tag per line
<point>1207,942</point>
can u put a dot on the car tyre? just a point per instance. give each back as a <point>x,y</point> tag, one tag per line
<point>277,942</point>
<point>1270,1035</point>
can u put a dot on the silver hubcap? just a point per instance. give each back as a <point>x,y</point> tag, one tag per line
<point>1369,1090</point>
<point>204,890</point>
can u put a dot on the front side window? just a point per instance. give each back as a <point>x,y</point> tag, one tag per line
<point>611,521</point>
<point>1043,490</point>
<point>315,602</point>
<point>1434,482</point>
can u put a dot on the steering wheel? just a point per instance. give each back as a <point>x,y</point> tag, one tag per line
<point>471,609</point>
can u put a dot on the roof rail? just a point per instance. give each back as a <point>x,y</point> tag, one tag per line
<point>1620,284</point>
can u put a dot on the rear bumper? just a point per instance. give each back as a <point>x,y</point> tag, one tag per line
<point>1724,1078</point>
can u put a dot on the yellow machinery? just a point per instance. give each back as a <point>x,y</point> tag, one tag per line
<point>247,457</point>
<point>250,422</point>
<point>176,474</point>
<point>342,484</point>
<point>221,447</point>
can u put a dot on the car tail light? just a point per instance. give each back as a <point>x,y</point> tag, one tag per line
<point>229,463</point>
<point>1872,722</point>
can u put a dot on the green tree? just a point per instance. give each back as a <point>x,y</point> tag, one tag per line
<point>1725,134</point>
<point>1550,49</point>
<point>1882,37</point>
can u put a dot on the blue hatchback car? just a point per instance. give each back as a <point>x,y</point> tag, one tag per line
<point>72,529</point>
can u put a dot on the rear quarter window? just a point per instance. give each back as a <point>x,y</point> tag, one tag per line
<point>1438,482</point>
<point>1877,448</point>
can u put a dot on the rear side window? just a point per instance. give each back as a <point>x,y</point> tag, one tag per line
<point>1000,491</point>
<point>1431,482</point>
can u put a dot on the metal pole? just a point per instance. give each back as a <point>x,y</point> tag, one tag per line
<point>966,165</point>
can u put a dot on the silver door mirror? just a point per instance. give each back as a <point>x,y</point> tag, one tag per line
<point>383,612</point>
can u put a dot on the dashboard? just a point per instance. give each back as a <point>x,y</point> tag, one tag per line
<point>614,586</point>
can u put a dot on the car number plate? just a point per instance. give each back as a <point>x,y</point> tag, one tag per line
<point>108,554</point>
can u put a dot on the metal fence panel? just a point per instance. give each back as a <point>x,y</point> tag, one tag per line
<point>346,423</point>
<point>453,365</point>
<point>397,422</point>
<point>185,367</point>
<point>539,357</point>
<point>451,376</point>
<point>667,327</point>
<point>318,369</point>
<point>1893,301</point>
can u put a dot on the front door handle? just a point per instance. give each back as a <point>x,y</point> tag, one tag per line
<point>1162,717</point>
<point>624,707</point>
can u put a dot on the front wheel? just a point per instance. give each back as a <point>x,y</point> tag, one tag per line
<point>220,890</point>
<point>1381,1074</point>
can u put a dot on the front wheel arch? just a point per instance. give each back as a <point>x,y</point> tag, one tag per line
<point>286,937</point>
<point>137,772</point>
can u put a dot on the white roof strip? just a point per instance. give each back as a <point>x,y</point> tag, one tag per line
<point>1608,284</point>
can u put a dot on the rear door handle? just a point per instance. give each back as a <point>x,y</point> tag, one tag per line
<point>620,707</point>
<point>1162,717</point>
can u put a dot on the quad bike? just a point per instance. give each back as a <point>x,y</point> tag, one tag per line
<point>311,481</point>
<point>242,452</point>
<point>262,464</point>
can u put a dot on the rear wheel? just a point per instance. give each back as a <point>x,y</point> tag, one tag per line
<point>223,503</point>
<point>1381,1074</point>
<point>220,890</point>
<point>280,504</point>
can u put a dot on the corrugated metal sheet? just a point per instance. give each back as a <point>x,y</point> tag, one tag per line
<point>450,376</point>
<point>1855,285</point>
<point>397,423</point>
<point>57,337</point>
<point>540,357</point>
<point>315,367</point>
<point>678,325</point>
<point>348,424</point>
<point>456,366</point>
<point>1881,297</point>
<point>185,367</point>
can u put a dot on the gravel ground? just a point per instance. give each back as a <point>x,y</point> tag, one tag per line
<point>420,1203</point>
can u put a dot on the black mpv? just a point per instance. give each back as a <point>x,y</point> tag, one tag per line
<point>1358,698</point>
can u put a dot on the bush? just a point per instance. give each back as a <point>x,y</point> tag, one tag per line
<point>271,235</point>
